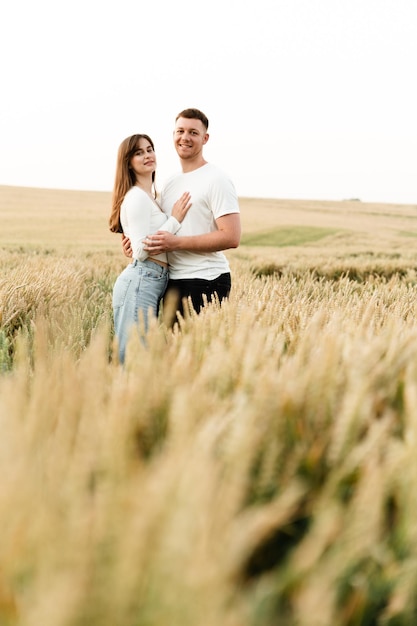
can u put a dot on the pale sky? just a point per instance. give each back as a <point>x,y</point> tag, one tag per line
<point>307,99</point>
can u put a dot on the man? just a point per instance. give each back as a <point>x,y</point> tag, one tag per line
<point>198,268</point>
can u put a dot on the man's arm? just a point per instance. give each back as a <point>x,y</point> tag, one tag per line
<point>227,236</point>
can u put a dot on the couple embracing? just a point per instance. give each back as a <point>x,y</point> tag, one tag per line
<point>176,241</point>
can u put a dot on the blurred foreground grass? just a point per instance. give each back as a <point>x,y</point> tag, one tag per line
<point>258,466</point>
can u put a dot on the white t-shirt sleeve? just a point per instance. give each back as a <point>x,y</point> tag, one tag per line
<point>223,196</point>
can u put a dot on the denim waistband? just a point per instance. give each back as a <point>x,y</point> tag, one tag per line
<point>155,266</point>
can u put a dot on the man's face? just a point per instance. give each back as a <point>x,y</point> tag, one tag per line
<point>189,137</point>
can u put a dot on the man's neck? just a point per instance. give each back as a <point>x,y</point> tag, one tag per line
<point>189,166</point>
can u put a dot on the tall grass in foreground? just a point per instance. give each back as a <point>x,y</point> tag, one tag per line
<point>258,466</point>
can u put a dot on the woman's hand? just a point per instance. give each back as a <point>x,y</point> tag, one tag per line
<point>180,208</point>
<point>127,248</point>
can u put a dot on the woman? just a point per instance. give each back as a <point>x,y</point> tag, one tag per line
<point>135,213</point>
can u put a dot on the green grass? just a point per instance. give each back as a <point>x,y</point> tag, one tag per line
<point>408,233</point>
<point>287,236</point>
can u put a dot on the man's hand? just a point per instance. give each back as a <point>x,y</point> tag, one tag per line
<point>127,248</point>
<point>162,241</point>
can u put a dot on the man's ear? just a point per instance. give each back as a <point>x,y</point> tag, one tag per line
<point>206,138</point>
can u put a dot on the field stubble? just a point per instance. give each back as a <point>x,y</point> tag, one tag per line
<point>258,466</point>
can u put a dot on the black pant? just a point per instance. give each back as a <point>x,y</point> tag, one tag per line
<point>194,289</point>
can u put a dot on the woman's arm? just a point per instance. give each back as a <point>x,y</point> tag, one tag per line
<point>171,226</point>
<point>138,212</point>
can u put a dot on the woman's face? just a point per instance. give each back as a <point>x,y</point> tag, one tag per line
<point>143,161</point>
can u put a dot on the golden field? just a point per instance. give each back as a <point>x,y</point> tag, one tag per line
<point>255,467</point>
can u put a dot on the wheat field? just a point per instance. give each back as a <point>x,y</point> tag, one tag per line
<point>257,466</point>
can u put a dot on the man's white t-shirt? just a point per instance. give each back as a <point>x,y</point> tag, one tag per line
<point>212,196</point>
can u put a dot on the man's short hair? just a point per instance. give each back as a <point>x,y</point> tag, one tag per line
<point>194,114</point>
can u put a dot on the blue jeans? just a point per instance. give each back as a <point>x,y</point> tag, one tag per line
<point>139,288</point>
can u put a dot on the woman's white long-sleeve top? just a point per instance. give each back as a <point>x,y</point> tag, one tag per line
<point>141,216</point>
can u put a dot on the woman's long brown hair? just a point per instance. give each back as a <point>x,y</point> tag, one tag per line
<point>125,177</point>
